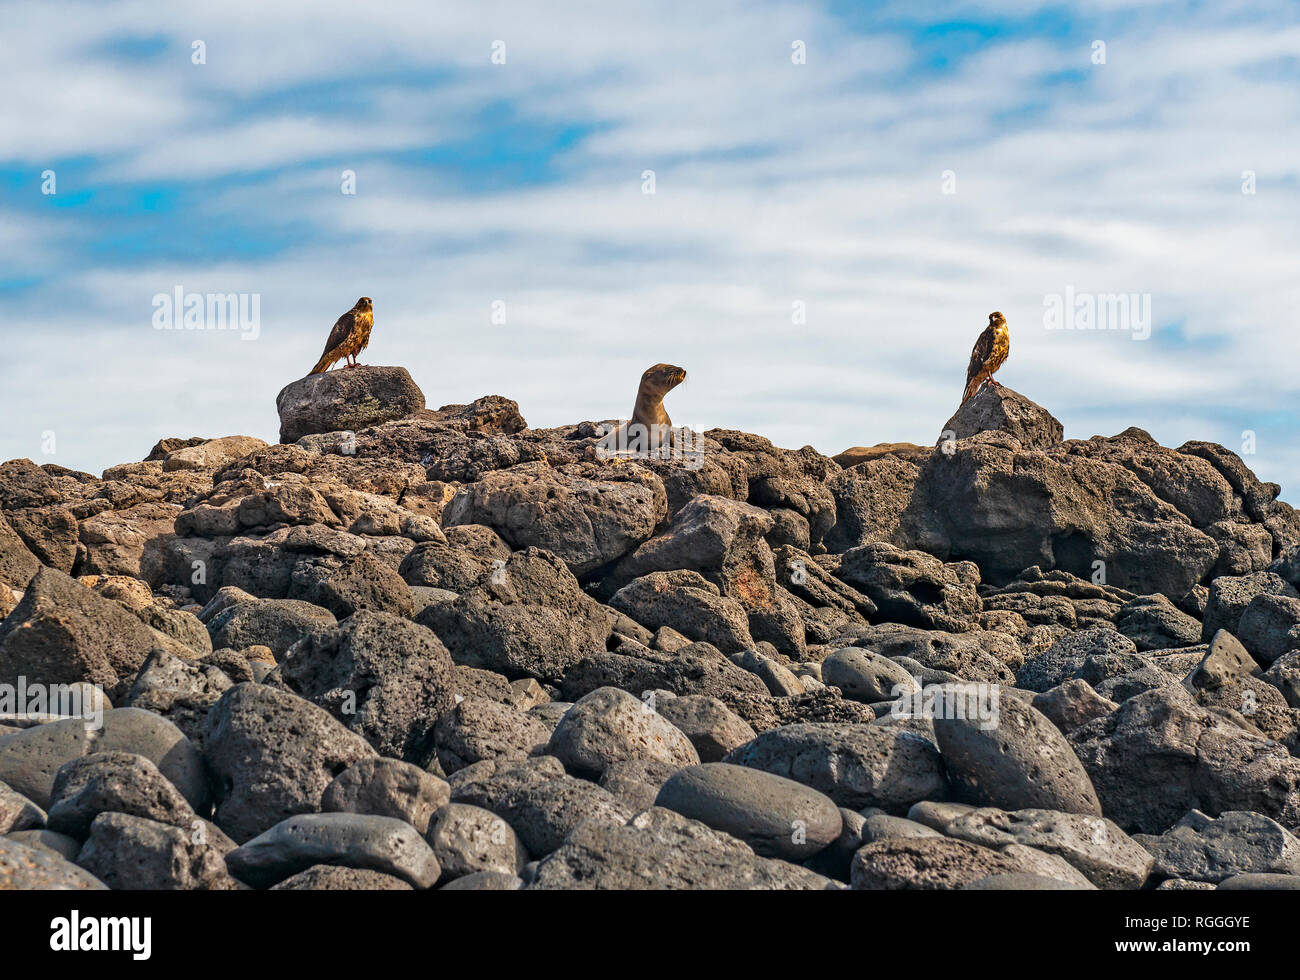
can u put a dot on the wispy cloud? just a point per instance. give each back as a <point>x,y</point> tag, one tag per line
<point>776,183</point>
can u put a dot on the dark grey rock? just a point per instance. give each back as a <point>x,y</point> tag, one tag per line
<point>26,868</point>
<point>384,844</point>
<point>914,588</point>
<point>712,727</point>
<point>774,815</point>
<point>1073,703</point>
<point>698,668</point>
<point>478,729</point>
<point>925,864</point>
<point>115,782</point>
<point>588,515</point>
<point>855,765</point>
<point>1231,594</point>
<point>1152,622</point>
<point>1201,848</point>
<point>997,408</point>
<point>469,839</point>
<point>63,633</point>
<point>977,655</point>
<point>538,799</point>
<point>1225,663</point>
<point>690,604</point>
<point>134,853</point>
<point>364,583</point>
<point>1019,761</point>
<point>61,844</point>
<point>387,788</point>
<point>881,826</point>
<point>659,849</point>
<point>384,678</point>
<point>1270,627</point>
<point>1260,882</point>
<point>18,813</point>
<point>30,759</point>
<point>442,565</point>
<point>529,618</point>
<point>610,725</point>
<point>866,676</point>
<point>1284,674</point>
<point>1097,847</point>
<point>1062,660</point>
<point>339,401</point>
<point>274,623</point>
<point>273,755</point>
<point>1161,755</point>
<point>636,782</point>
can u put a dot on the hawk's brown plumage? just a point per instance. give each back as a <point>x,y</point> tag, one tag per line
<point>991,349</point>
<point>350,336</point>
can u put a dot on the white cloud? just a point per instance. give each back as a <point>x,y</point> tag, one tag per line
<point>776,183</point>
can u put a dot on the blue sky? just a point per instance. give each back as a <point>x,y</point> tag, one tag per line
<point>776,183</point>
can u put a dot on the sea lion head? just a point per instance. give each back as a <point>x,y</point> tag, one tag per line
<point>996,319</point>
<point>363,304</point>
<point>661,379</point>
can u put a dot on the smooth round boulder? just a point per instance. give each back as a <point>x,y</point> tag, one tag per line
<point>353,840</point>
<point>882,826</point>
<point>775,816</point>
<point>24,868</point>
<point>867,677</point>
<point>856,765</point>
<point>29,759</point>
<point>60,844</point>
<point>1260,882</point>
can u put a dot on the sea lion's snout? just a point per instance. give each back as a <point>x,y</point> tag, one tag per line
<point>662,378</point>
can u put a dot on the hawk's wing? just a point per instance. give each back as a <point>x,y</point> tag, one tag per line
<point>342,328</point>
<point>979,356</point>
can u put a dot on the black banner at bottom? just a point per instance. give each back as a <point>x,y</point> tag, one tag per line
<point>347,929</point>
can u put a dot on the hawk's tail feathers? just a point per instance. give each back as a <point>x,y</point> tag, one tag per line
<point>972,387</point>
<point>323,364</point>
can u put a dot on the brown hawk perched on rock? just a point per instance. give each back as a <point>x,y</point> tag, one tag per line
<point>350,336</point>
<point>990,351</point>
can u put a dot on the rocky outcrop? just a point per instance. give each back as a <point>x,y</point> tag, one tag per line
<point>997,408</point>
<point>414,648</point>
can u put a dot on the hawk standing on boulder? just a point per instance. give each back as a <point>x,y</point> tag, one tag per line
<point>990,351</point>
<point>350,336</point>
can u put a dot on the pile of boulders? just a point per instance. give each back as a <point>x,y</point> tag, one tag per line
<point>409,648</point>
